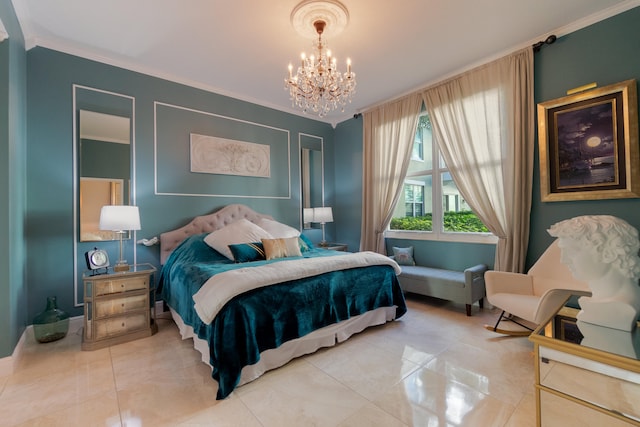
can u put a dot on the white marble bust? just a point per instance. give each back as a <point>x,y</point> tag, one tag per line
<point>602,250</point>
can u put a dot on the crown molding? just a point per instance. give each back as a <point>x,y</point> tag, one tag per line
<point>132,66</point>
<point>561,31</point>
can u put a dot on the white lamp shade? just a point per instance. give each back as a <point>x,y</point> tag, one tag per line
<point>119,218</point>
<point>322,215</point>
<point>307,215</point>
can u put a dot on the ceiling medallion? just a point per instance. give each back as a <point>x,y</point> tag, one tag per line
<point>318,85</point>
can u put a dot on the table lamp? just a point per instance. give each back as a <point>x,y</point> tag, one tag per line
<point>120,219</point>
<point>322,216</point>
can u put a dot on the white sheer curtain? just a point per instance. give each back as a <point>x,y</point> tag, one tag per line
<point>484,123</point>
<point>389,131</point>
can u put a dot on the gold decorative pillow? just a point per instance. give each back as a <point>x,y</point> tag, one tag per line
<point>281,248</point>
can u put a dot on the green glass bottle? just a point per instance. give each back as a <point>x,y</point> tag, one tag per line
<point>52,324</point>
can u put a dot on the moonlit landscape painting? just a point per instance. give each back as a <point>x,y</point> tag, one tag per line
<point>587,146</point>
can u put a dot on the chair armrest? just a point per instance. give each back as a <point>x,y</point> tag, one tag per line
<point>498,282</point>
<point>480,268</point>
<point>475,273</point>
<point>551,301</point>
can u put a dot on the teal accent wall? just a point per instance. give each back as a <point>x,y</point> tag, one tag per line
<point>107,160</point>
<point>102,159</point>
<point>49,234</point>
<point>348,189</point>
<point>13,87</point>
<point>448,255</point>
<point>174,127</point>
<point>607,52</point>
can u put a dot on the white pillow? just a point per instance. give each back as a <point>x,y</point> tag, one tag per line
<point>277,229</point>
<point>240,231</point>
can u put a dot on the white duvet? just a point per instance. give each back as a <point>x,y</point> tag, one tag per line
<point>222,287</point>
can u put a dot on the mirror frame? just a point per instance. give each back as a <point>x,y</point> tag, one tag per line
<point>76,176</point>
<point>312,146</point>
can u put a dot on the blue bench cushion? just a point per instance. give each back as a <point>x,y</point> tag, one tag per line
<point>452,278</point>
<point>464,287</point>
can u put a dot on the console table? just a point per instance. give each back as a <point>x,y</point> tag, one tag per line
<point>586,375</point>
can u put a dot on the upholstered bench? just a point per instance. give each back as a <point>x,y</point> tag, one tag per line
<point>464,287</point>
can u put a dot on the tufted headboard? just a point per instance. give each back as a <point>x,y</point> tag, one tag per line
<point>206,224</point>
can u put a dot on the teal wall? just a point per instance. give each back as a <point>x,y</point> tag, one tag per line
<point>102,159</point>
<point>448,255</point>
<point>348,188</point>
<point>13,312</point>
<point>49,232</point>
<point>607,52</point>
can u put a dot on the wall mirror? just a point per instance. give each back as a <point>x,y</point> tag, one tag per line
<point>312,177</point>
<point>103,145</point>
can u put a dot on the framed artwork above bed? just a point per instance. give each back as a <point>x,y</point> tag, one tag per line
<point>588,145</point>
<point>210,154</point>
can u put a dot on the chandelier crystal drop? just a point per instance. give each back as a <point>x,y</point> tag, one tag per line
<point>318,85</point>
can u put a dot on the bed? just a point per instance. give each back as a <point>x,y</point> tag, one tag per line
<point>253,293</point>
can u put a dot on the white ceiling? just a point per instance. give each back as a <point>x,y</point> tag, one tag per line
<point>242,48</point>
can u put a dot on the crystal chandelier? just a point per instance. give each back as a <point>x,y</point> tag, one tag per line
<point>318,85</point>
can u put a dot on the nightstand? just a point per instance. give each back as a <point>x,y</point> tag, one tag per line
<point>118,306</point>
<point>334,246</point>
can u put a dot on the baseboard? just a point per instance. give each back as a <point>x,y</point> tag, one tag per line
<point>9,363</point>
<point>75,324</point>
<point>6,366</point>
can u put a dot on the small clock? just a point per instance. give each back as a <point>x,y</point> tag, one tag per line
<point>96,258</point>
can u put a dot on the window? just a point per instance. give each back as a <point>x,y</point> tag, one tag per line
<point>418,149</point>
<point>429,211</point>
<point>414,198</point>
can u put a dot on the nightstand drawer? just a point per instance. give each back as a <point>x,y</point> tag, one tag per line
<point>120,325</point>
<point>594,382</point>
<point>558,411</point>
<point>125,284</point>
<point>121,305</point>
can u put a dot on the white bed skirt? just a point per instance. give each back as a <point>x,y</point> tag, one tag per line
<point>274,358</point>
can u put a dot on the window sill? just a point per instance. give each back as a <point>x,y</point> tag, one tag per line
<point>443,237</point>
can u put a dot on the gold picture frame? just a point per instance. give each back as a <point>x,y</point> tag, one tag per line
<point>588,145</point>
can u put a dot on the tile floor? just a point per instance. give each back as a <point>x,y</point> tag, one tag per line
<point>433,367</point>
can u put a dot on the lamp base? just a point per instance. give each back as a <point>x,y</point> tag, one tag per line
<point>121,267</point>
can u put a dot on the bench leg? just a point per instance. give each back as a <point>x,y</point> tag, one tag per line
<point>481,302</point>
<point>468,306</point>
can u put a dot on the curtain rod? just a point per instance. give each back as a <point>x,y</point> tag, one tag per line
<point>549,40</point>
